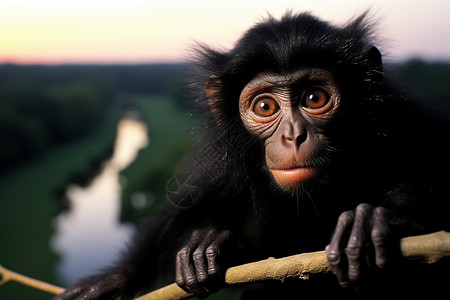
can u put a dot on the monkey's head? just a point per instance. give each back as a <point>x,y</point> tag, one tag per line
<point>300,85</point>
<point>290,114</point>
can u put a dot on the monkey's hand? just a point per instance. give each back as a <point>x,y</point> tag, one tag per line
<point>367,230</point>
<point>97,287</point>
<point>201,263</point>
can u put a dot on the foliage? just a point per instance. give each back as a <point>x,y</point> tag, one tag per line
<point>33,118</point>
<point>422,80</point>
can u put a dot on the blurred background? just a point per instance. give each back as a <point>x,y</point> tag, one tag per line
<point>95,114</point>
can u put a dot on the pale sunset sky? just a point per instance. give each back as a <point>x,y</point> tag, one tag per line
<point>149,31</point>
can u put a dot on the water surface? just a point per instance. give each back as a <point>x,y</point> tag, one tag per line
<point>89,236</point>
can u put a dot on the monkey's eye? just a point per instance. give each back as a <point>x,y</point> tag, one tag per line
<point>317,101</point>
<point>265,107</point>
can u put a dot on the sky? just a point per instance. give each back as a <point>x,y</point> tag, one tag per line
<point>151,31</point>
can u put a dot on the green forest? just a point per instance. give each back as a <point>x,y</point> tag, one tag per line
<point>42,107</point>
<point>58,124</point>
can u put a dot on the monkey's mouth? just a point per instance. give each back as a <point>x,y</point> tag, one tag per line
<point>293,177</point>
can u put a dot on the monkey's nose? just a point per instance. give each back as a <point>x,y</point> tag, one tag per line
<point>296,140</point>
<point>294,135</point>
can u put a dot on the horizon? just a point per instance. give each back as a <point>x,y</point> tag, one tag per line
<point>135,32</point>
<point>179,63</point>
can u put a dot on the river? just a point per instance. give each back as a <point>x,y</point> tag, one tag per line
<point>89,236</point>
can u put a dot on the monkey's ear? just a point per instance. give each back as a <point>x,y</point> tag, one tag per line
<point>372,54</point>
<point>374,58</point>
<point>212,89</point>
<point>212,86</point>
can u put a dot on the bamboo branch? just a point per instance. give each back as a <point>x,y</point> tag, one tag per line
<point>425,248</point>
<point>428,248</point>
<point>8,275</point>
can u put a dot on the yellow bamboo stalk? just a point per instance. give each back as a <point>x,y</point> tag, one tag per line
<point>8,275</point>
<point>425,248</point>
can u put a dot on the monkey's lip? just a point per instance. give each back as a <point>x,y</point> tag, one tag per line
<point>293,177</point>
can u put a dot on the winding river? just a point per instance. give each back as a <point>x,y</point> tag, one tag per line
<point>89,236</point>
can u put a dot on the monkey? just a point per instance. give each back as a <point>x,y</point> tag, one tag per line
<point>307,146</point>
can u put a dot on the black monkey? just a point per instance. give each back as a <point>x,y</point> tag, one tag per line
<point>305,133</point>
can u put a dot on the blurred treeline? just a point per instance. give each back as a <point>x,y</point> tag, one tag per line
<point>44,106</point>
<point>423,81</point>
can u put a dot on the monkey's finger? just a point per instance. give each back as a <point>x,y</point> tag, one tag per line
<point>213,252</point>
<point>200,265</point>
<point>205,259</point>
<point>185,275</point>
<point>93,291</point>
<point>69,294</point>
<point>201,260</point>
<point>185,272</point>
<point>357,240</point>
<point>380,235</point>
<point>179,273</point>
<point>334,264</point>
<point>335,250</point>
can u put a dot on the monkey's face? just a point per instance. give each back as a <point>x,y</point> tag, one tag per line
<point>290,113</point>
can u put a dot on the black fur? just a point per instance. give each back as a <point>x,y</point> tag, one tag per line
<point>382,150</point>
<point>294,42</point>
